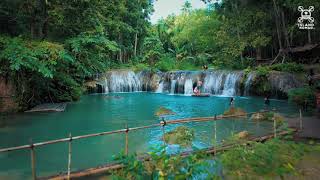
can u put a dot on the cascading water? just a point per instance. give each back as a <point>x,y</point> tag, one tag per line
<point>213,82</point>
<point>248,83</point>
<point>160,88</point>
<point>122,81</point>
<point>179,82</point>
<point>106,88</point>
<point>230,84</point>
<point>188,87</point>
<point>173,86</point>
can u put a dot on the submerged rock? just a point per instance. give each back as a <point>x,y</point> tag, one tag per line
<point>258,117</point>
<point>162,111</point>
<point>243,135</point>
<point>269,116</point>
<point>237,112</point>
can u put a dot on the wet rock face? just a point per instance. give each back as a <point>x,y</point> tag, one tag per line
<point>154,82</point>
<point>281,82</point>
<point>7,102</point>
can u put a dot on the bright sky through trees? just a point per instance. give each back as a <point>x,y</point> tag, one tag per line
<point>163,8</point>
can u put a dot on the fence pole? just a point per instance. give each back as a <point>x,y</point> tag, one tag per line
<point>301,126</point>
<point>215,135</point>
<point>274,127</point>
<point>127,140</point>
<point>69,156</point>
<point>33,160</point>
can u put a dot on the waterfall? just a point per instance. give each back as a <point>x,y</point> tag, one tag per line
<point>173,86</point>
<point>123,81</point>
<point>160,88</point>
<point>247,84</point>
<point>213,82</point>
<point>230,84</point>
<point>106,88</point>
<point>188,87</point>
<point>176,82</point>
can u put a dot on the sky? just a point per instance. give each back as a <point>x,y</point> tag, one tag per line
<point>163,8</point>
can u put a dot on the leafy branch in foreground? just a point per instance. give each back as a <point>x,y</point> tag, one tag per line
<point>162,166</point>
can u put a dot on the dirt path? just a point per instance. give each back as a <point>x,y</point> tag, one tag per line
<point>310,126</point>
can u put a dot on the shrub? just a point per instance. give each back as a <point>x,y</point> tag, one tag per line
<point>140,67</point>
<point>288,67</point>
<point>270,159</point>
<point>181,135</point>
<point>261,84</point>
<point>302,96</point>
<point>263,71</point>
<point>161,165</point>
<point>166,64</point>
<point>185,65</point>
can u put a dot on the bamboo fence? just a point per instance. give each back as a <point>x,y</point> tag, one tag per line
<point>32,146</point>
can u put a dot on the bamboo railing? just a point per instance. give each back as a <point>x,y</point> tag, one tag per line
<point>125,131</point>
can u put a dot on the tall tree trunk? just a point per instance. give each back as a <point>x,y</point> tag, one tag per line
<point>258,53</point>
<point>120,51</point>
<point>46,21</point>
<point>277,23</point>
<point>238,30</point>
<point>135,44</point>
<point>285,31</point>
<point>309,37</point>
<point>32,28</point>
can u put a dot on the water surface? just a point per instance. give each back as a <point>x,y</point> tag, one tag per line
<point>106,112</point>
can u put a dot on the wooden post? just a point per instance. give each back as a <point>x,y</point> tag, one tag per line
<point>301,126</point>
<point>33,161</point>
<point>215,136</point>
<point>69,156</point>
<point>274,128</point>
<point>127,140</point>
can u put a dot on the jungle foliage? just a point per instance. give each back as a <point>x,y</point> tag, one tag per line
<point>49,48</point>
<point>231,34</point>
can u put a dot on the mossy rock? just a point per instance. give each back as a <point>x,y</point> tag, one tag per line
<point>269,116</point>
<point>238,112</point>
<point>162,111</point>
<point>259,117</point>
<point>240,137</point>
<point>181,135</point>
<point>243,135</point>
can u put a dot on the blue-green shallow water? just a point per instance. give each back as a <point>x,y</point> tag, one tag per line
<point>97,113</point>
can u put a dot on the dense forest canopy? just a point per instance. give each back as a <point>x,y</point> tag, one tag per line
<point>48,48</point>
